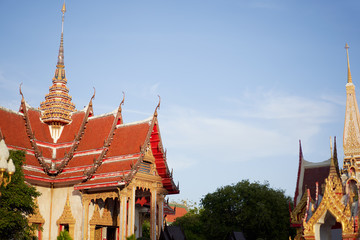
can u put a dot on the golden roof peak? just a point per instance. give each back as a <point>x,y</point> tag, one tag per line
<point>63,9</point>
<point>57,107</point>
<point>348,63</point>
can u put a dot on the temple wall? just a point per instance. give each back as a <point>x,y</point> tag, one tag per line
<point>58,202</point>
<point>76,209</point>
<point>44,206</point>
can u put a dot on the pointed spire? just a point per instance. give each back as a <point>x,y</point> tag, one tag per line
<point>157,107</point>
<point>334,165</point>
<point>61,49</point>
<point>298,189</point>
<point>349,80</point>
<point>57,107</point>
<point>331,148</point>
<point>351,136</point>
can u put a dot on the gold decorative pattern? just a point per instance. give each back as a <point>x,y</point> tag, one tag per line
<point>96,219</point>
<point>332,203</point>
<point>298,213</point>
<point>36,217</point>
<point>67,217</point>
<point>351,145</point>
<point>87,197</point>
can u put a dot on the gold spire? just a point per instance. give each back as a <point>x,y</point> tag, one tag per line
<point>63,10</point>
<point>348,63</point>
<point>351,136</point>
<point>334,165</point>
<point>57,107</point>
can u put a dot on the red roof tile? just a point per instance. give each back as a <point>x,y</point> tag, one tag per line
<point>72,129</point>
<point>96,132</point>
<point>313,175</point>
<point>85,160</point>
<point>32,161</point>
<point>179,212</point>
<point>115,167</point>
<point>128,139</point>
<point>40,130</point>
<point>46,152</point>
<point>12,126</point>
<point>60,152</point>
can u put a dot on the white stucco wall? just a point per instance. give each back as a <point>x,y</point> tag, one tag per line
<point>58,202</point>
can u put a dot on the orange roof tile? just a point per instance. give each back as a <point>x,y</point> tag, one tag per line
<point>128,139</point>
<point>12,126</point>
<point>72,129</point>
<point>96,132</point>
<point>41,130</point>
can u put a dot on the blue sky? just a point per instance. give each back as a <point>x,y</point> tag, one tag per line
<point>240,81</point>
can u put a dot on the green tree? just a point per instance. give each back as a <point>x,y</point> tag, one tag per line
<point>146,230</point>
<point>64,235</point>
<point>16,202</point>
<point>252,208</point>
<point>191,223</point>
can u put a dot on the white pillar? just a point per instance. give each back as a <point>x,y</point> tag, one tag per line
<point>153,214</point>
<point>123,213</point>
<point>161,213</point>
<point>131,219</point>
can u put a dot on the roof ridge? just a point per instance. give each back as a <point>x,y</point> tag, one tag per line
<point>30,133</point>
<point>98,161</point>
<point>11,111</point>
<point>77,139</point>
<point>136,122</point>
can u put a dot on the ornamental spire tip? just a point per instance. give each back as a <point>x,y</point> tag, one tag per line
<point>349,80</point>
<point>63,9</point>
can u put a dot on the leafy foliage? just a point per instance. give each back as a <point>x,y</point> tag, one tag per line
<point>64,235</point>
<point>252,208</point>
<point>192,224</point>
<point>131,237</point>
<point>16,202</point>
<point>146,229</point>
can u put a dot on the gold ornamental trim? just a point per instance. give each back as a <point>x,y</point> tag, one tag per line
<point>331,203</point>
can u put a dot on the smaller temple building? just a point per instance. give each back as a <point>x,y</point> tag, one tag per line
<point>99,178</point>
<point>326,198</point>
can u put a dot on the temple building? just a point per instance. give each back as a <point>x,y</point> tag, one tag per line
<point>326,199</point>
<point>99,178</point>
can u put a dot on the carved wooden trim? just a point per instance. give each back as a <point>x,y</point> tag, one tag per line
<point>332,203</point>
<point>32,139</point>
<point>98,161</point>
<point>77,139</point>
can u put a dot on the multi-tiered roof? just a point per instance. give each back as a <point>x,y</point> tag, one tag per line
<point>65,147</point>
<point>57,107</point>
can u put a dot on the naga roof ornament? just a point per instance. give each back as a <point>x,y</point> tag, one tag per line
<point>57,107</point>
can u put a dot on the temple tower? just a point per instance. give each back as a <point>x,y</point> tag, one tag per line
<point>351,138</point>
<point>57,107</point>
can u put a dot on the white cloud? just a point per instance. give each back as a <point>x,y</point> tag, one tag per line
<point>261,125</point>
<point>279,106</point>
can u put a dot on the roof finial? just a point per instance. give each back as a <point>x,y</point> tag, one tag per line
<point>157,107</point>
<point>331,148</point>
<point>61,49</point>
<point>348,63</point>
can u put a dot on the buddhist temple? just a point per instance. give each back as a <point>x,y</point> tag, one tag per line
<point>326,199</point>
<point>99,178</point>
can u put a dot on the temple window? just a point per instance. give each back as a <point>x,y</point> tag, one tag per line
<point>63,227</point>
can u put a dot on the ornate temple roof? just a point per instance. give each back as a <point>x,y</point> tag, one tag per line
<point>308,174</point>
<point>65,147</point>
